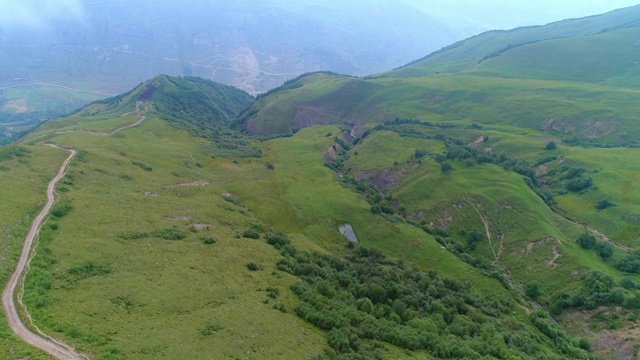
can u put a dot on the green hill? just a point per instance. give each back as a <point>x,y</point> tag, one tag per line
<point>575,79</point>
<point>105,49</point>
<point>495,210</point>
<point>466,54</point>
<point>198,251</point>
<point>459,143</point>
<point>178,100</point>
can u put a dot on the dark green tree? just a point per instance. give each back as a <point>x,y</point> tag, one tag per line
<point>532,289</point>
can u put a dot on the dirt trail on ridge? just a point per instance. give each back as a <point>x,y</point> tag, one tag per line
<point>39,339</point>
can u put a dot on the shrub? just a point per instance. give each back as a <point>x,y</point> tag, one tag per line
<point>61,209</point>
<point>253,266</point>
<point>532,289</point>
<point>604,249</point>
<point>630,263</point>
<point>632,302</point>
<point>603,204</point>
<point>551,145</point>
<point>627,283</point>
<point>142,166</point>
<point>89,269</point>
<point>208,240</point>
<point>251,233</point>
<point>418,154</point>
<point>210,329</point>
<point>598,282</point>
<point>474,238</point>
<point>587,241</point>
<point>584,344</point>
<point>446,166</point>
<point>339,340</point>
<point>281,307</point>
<point>579,184</point>
<point>278,239</point>
<point>273,292</point>
<point>170,234</point>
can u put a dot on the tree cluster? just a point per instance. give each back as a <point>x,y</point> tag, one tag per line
<point>366,299</point>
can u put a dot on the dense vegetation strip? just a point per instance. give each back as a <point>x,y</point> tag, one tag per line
<point>366,300</point>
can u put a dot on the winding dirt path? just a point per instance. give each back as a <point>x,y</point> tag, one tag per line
<point>141,118</point>
<point>59,86</point>
<point>39,339</point>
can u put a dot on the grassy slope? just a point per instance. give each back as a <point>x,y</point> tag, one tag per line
<point>553,89</point>
<point>561,107</point>
<point>162,293</point>
<point>468,53</point>
<point>153,299</point>
<point>23,194</point>
<point>617,180</point>
<point>303,198</point>
<point>315,99</point>
<point>312,204</point>
<point>23,108</point>
<point>502,198</point>
<point>610,59</point>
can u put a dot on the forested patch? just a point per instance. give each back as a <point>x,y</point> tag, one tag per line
<point>366,300</point>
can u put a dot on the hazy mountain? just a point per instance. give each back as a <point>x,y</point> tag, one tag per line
<point>51,67</point>
<point>249,44</point>
<point>564,64</point>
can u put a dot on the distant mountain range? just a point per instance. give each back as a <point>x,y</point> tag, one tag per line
<point>252,45</point>
<point>50,70</point>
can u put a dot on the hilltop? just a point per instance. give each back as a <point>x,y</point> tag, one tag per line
<point>469,53</point>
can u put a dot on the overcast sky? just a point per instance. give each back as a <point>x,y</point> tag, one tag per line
<point>486,14</point>
<point>37,13</point>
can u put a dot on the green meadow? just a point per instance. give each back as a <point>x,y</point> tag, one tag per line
<point>150,257</point>
<point>25,172</point>
<point>154,259</point>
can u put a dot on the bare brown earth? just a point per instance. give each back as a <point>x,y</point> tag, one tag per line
<point>555,253</point>
<point>477,141</point>
<point>385,179</point>
<point>607,343</point>
<point>18,106</point>
<point>194,183</point>
<point>599,128</point>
